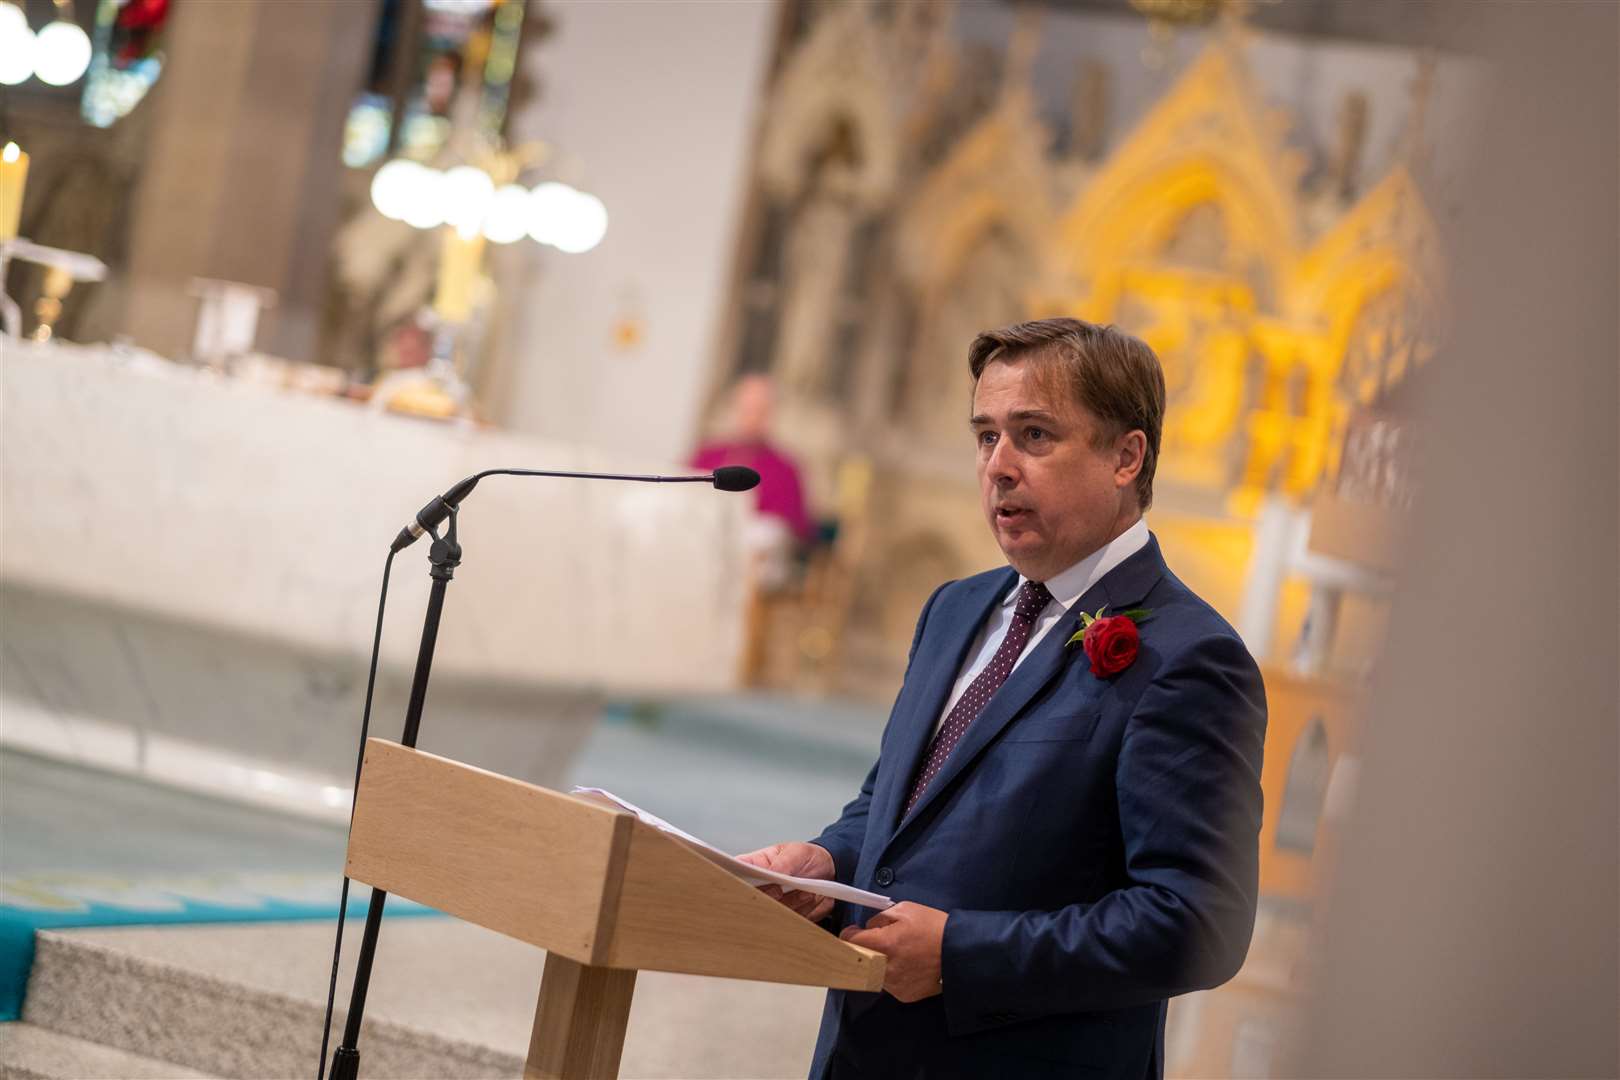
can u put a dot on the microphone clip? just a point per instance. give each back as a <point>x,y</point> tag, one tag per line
<point>445,554</point>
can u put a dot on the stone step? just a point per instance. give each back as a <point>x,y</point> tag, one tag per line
<point>447,1000</point>
<point>30,1052</point>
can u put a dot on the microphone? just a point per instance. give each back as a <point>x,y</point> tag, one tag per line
<point>725,478</point>
<point>735,478</point>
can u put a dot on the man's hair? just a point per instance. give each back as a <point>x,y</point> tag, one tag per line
<point>1114,375</point>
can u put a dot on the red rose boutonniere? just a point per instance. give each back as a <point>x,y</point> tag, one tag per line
<point>1110,643</point>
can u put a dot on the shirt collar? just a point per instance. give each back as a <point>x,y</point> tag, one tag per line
<point>1071,584</point>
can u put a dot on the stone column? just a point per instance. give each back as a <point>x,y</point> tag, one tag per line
<point>242,175</point>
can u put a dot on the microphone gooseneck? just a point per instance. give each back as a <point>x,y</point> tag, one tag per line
<point>725,478</point>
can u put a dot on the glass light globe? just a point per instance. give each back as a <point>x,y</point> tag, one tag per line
<point>467,194</point>
<point>17,45</point>
<point>62,53</point>
<point>424,201</point>
<point>586,224</point>
<point>549,205</point>
<point>393,186</point>
<point>508,217</point>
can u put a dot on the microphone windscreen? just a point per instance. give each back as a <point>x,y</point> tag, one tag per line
<point>735,478</point>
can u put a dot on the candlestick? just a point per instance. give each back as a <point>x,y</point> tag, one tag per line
<point>13,175</point>
<point>48,308</point>
<point>459,260</point>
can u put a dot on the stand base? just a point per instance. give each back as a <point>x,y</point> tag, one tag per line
<point>580,1021</point>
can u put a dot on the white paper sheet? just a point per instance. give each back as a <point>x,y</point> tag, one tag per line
<point>753,875</point>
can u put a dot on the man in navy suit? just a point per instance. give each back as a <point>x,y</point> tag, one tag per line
<point>1071,834</point>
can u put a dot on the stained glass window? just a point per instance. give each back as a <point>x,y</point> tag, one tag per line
<point>427,56</point>
<point>127,58</point>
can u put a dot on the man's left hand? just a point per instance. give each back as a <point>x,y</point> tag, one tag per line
<point>911,936</point>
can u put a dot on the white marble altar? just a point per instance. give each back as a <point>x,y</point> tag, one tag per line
<point>189,568</point>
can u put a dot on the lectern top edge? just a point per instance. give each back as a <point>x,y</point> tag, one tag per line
<point>579,879</point>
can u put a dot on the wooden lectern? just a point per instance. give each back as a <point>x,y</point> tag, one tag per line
<point>603,893</point>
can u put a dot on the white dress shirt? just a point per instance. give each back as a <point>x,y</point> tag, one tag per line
<point>1066,589</point>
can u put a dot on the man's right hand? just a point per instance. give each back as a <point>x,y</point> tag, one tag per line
<point>797,860</point>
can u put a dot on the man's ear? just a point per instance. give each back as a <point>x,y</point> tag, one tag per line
<point>1131,448</point>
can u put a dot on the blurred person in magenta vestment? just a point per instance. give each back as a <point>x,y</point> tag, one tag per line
<point>782,522</point>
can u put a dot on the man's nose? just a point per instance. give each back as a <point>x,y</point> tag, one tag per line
<point>1003,465</point>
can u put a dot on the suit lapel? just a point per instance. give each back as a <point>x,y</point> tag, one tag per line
<point>964,617</point>
<point>1126,585</point>
<point>1120,588</point>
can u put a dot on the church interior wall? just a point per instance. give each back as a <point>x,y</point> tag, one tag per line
<point>657,104</point>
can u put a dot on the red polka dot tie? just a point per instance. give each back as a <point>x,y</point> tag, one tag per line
<point>1032,600</point>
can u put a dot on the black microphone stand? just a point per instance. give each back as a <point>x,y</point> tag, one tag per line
<point>444,556</point>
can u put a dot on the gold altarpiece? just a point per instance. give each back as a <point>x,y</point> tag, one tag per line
<point>910,193</point>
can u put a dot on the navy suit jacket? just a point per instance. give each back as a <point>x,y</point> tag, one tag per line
<point>1095,841</point>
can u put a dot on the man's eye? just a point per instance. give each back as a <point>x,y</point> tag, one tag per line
<point>1034,434</point>
<point>986,438</point>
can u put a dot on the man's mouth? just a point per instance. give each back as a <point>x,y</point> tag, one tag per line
<point>1007,515</point>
